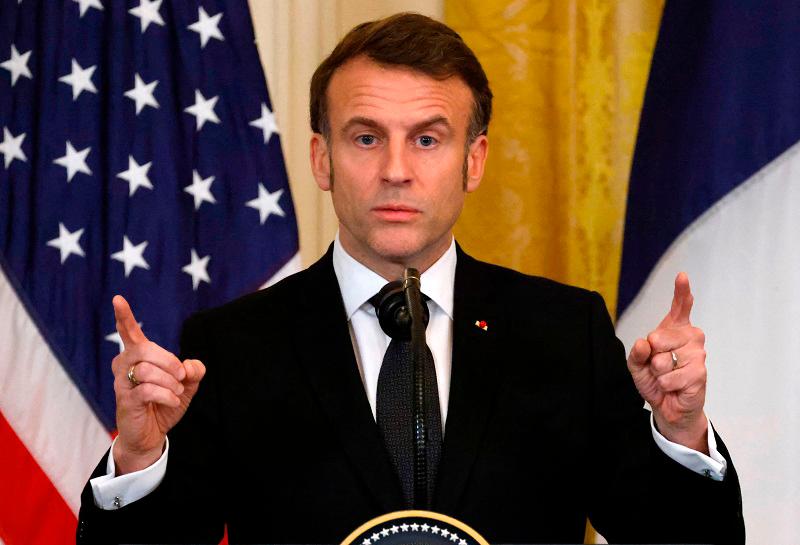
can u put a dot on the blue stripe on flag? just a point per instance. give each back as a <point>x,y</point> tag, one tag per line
<point>722,101</point>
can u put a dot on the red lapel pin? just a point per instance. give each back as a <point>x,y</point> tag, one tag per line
<point>482,325</point>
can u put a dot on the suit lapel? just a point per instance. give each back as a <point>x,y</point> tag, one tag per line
<point>327,357</point>
<point>474,379</point>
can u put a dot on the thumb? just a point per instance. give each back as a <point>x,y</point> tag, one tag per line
<point>195,371</point>
<point>640,353</point>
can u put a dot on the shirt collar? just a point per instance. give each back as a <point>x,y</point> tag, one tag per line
<point>358,283</point>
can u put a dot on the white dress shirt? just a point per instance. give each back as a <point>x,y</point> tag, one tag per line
<point>358,284</point>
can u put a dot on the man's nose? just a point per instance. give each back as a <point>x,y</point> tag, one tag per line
<point>397,168</point>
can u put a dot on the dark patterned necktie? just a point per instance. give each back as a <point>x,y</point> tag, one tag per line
<point>395,416</point>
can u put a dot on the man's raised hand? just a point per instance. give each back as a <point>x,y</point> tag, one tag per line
<point>669,370</point>
<point>148,410</point>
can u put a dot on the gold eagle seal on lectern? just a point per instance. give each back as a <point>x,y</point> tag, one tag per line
<point>414,528</point>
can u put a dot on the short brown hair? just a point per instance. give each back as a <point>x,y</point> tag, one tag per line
<point>410,40</point>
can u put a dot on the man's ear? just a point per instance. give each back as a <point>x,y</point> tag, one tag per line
<point>476,160</point>
<point>320,161</point>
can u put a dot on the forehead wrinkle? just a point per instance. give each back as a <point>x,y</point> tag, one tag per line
<point>395,96</point>
<point>429,107</point>
<point>392,87</point>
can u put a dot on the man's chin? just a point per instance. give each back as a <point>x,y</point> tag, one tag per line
<point>397,253</point>
<point>407,251</point>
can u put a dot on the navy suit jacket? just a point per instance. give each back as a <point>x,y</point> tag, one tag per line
<point>544,428</point>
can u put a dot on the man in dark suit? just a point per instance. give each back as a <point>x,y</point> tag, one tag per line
<point>543,423</point>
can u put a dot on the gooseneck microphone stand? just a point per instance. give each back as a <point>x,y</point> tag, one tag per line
<point>411,288</point>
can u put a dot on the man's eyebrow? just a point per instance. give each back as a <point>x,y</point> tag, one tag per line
<point>427,123</point>
<point>371,123</point>
<point>361,121</point>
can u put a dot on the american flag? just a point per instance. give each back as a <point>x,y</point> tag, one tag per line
<point>139,155</point>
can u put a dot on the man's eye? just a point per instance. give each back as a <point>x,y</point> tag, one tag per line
<point>366,139</point>
<point>426,141</point>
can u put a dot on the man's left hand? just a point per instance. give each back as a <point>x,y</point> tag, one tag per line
<point>669,370</point>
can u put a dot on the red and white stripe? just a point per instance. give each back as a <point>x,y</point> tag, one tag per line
<point>51,439</point>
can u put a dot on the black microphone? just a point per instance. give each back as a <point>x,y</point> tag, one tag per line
<point>413,296</point>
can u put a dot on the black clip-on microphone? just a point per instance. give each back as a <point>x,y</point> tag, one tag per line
<point>411,288</point>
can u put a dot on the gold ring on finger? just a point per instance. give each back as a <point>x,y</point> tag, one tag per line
<point>674,361</point>
<point>132,376</point>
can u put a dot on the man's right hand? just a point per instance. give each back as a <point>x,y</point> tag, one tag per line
<point>147,411</point>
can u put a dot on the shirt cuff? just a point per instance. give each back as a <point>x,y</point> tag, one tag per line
<point>712,465</point>
<point>112,492</point>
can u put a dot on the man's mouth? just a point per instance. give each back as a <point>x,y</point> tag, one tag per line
<point>395,212</point>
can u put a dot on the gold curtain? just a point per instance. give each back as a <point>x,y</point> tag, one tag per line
<point>568,78</point>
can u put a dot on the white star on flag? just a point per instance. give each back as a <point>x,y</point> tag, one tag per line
<point>142,93</point>
<point>67,243</point>
<point>131,255</point>
<point>136,175</point>
<point>74,161</point>
<point>203,109</point>
<point>17,65</point>
<point>11,147</point>
<point>147,12</point>
<point>86,4</point>
<point>200,189</point>
<point>207,27</point>
<point>266,203</point>
<point>266,123</point>
<point>198,270</point>
<point>80,79</point>
<point>115,338</point>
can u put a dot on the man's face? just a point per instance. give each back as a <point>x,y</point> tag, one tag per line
<point>397,146</point>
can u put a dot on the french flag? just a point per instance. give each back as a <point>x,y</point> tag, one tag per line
<point>715,192</point>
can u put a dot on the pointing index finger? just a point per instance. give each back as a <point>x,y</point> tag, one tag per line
<point>129,331</point>
<point>682,302</point>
